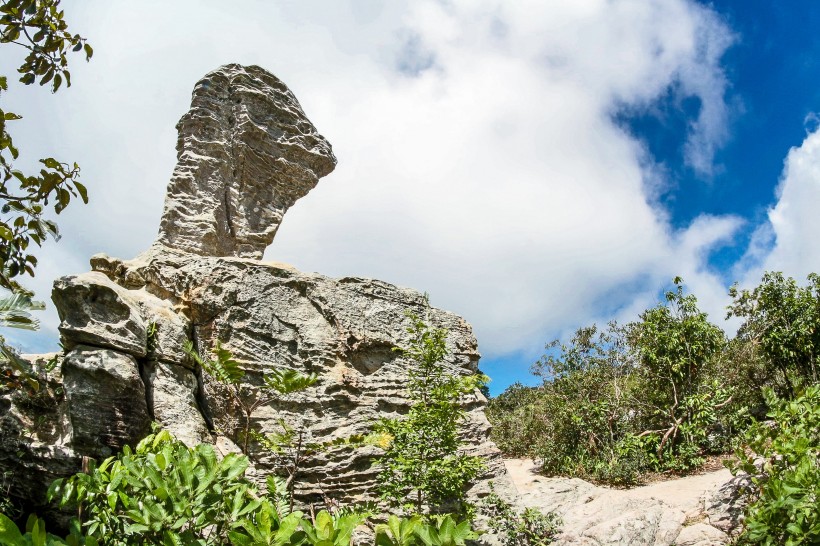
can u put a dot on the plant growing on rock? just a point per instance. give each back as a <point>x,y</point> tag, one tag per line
<point>423,466</point>
<point>225,369</point>
<point>529,527</point>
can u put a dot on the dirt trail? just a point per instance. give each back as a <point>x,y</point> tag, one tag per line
<point>686,493</point>
<point>685,511</point>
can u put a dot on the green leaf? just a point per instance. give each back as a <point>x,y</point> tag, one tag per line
<point>9,533</point>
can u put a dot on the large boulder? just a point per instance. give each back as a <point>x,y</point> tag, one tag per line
<point>106,401</point>
<point>246,152</point>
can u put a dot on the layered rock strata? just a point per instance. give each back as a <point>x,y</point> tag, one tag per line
<point>246,153</point>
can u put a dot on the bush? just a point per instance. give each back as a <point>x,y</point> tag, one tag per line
<point>166,493</point>
<point>783,459</point>
<point>422,467</point>
<point>616,403</point>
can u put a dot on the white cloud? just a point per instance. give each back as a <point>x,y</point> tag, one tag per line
<point>788,241</point>
<point>478,157</point>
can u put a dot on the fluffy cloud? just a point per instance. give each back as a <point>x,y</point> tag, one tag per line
<point>479,159</point>
<point>788,241</point>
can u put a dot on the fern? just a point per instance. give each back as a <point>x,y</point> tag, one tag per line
<point>224,369</point>
<point>285,381</point>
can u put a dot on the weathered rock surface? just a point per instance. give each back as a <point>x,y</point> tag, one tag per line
<point>105,398</point>
<point>245,153</point>
<point>98,312</point>
<point>270,316</point>
<point>688,511</point>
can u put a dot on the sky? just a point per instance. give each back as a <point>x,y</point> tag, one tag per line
<point>534,166</point>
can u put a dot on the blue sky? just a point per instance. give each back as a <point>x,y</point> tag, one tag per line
<point>534,166</point>
<point>773,69</point>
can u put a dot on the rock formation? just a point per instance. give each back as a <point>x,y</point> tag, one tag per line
<point>246,153</point>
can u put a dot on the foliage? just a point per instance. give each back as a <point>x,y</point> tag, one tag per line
<point>617,402</point>
<point>399,531</point>
<point>783,459</point>
<point>39,27</point>
<point>327,529</point>
<point>446,531</point>
<point>162,493</point>
<point>36,534</point>
<point>519,415</point>
<point>783,325</point>
<point>423,466</point>
<point>15,312</point>
<point>529,527</point>
<point>167,493</point>
<point>675,343</point>
<point>226,370</point>
<point>268,527</point>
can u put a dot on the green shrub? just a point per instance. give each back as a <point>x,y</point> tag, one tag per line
<point>422,467</point>
<point>782,322</point>
<point>653,395</point>
<point>162,492</point>
<point>529,527</point>
<point>783,459</point>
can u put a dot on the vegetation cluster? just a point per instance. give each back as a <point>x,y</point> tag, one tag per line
<point>663,393</point>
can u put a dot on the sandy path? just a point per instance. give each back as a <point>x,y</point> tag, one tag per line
<point>685,493</point>
<point>598,515</point>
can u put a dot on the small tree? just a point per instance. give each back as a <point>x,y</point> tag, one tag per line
<point>422,465</point>
<point>225,369</point>
<point>675,344</point>
<point>782,325</point>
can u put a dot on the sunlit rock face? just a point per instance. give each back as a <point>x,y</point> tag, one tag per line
<point>245,153</point>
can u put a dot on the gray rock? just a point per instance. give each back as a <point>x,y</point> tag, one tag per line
<point>661,513</point>
<point>701,534</point>
<point>33,431</point>
<point>95,311</point>
<point>726,503</point>
<point>172,402</point>
<point>245,153</point>
<point>105,394</point>
<point>272,316</point>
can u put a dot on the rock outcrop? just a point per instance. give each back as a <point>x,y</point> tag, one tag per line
<point>246,153</point>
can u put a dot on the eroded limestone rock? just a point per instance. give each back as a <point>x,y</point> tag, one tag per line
<point>245,153</point>
<point>95,311</point>
<point>106,400</point>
